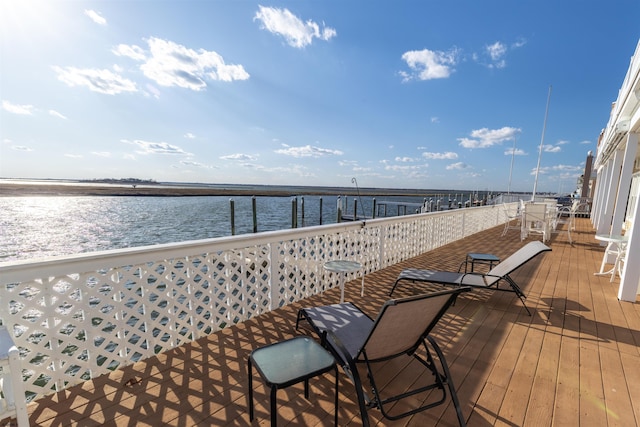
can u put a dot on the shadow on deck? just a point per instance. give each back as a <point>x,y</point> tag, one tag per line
<point>575,361</point>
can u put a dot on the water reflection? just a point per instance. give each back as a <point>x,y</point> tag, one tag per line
<point>36,227</point>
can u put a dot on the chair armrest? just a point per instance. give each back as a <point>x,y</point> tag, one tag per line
<point>474,273</point>
<point>483,275</point>
<point>331,341</point>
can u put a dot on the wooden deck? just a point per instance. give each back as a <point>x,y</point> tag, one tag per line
<point>575,361</point>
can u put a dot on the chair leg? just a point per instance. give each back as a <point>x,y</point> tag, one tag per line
<point>362,404</point>
<point>298,318</point>
<point>250,390</point>
<point>274,415</point>
<point>506,227</point>
<point>335,406</point>
<point>452,389</point>
<point>394,286</point>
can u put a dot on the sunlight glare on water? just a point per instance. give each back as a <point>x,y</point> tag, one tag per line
<point>37,227</point>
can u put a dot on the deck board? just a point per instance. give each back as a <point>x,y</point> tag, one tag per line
<point>573,362</point>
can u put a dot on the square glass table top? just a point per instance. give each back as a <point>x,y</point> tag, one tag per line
<point>291,361</point>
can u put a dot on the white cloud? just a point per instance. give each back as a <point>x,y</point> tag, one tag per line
<point>193,163</point>
<point>189,135</point>
<point>518,152</point>
<point>405,159</point>
<point>457,166</point>
<point>54,113</point>
<point>308,151</point>
<point>130,51</point>
<point>566,169</point>
<point>404,168</point>
<point>586,141</point>
<point>24,109</point>
<point>148,147</point>
<point>296,32</point>
<point>440,156</point>
<point>74,156</point>
<point>95,17</point>
<point>428,64</point>
<point>496,51</point>
<point>101,153</point>
<point>518,43</point>
<point>348,163</point>
<point>239,157</point>
<point>551,148</point>
<point>171,64</point>
<point>101,81</point>
<point>483,138</point>
<point>20,148</point>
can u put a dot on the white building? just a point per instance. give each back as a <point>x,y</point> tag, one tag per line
<point>615,201</point>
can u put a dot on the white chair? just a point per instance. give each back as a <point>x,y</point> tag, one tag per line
<point>511,215</point>
<point>563,222</point>
<point>535,221</point>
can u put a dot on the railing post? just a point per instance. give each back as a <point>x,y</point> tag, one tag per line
<point>232,205</point>
<point>464,232</point>
<point>294,212</point>
<point>355,209</point>
<point>273,274</point>
<point>255,214</point>
<point>14,404</point>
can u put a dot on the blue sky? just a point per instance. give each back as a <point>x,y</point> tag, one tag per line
<point>405,94</point>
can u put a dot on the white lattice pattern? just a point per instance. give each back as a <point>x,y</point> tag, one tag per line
<point>74,318</point>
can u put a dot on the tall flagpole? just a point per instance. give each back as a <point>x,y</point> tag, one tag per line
<point>513,154</point>
<point>544,127</point>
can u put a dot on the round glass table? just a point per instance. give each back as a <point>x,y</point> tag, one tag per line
<point>346,267</point>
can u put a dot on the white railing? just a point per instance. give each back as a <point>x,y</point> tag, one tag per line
<point>76,317</point>
<point>12,401</point>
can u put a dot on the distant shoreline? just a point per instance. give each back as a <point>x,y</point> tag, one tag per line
<point>53,188</point>
<point>17,190</point>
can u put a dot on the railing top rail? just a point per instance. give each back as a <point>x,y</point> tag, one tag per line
<point>22,270</point>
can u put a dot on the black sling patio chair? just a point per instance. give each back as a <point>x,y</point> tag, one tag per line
<point>490,281</point>
<point>401,329</point>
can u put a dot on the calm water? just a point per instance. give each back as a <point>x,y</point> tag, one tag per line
<point>36,227</point>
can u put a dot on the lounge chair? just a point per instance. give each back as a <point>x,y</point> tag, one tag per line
<point>401,328</point>
<point>490,280</point>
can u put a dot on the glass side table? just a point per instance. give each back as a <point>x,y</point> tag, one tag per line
<point>478,258</point>
<point>289,362</point>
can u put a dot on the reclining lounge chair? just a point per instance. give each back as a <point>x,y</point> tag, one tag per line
<point>401,328</point>
<point>491,280</point>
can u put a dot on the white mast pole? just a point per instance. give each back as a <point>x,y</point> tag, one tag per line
<point>544,127</point>
<point>513,154</point>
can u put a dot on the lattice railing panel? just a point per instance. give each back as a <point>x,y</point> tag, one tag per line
<point>74,318</point>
